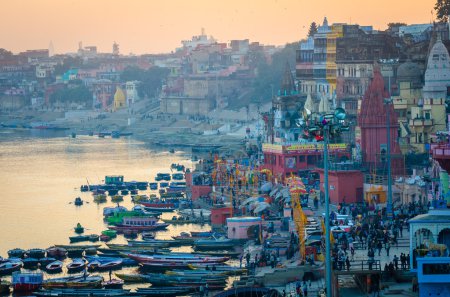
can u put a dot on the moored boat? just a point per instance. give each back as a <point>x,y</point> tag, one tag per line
<point>57,252</point>
<point>26,282</point>
<point>30,263</point>
<point>76,265</point>
<point>16,253</point>
<point>45,261</point>
<point>177,258</point>
<point>79,229</point>
<point>94,281</point>
<point>113,284</point>
<point>10,267</point>
<point>54,267</point>
<point>153,186</point>
<point>214,243</point>
<point>117,198</point>
<point>99,198</point>
<point>35,253</point>
<point>78,238</point>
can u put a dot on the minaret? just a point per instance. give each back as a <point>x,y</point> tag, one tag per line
<point>51,50</point>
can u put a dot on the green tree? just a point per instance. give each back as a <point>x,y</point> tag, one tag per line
<point>68,63</point>
<point>151,79</point>
<point>442,8</point>
<point>312,29</point>
<point>75,94</point>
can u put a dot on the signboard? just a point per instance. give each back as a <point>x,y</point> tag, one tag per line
<point>303,148</point>
<point>290,162</point>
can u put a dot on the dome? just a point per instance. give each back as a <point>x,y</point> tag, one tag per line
<point>409,71</point>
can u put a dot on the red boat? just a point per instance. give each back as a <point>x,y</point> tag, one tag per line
<point>27,282</point>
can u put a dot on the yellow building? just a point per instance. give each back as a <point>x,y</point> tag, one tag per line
<point>119,99</point>
<point>337,31</point>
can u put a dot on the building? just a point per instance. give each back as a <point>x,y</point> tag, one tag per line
<point>373,124</point>
<point>103,93</point>
<point>131,88</point>
<point>119,99</point>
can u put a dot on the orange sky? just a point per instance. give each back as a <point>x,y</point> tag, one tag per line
<point>152,26</point>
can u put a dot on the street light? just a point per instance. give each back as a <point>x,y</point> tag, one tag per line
<point>320,127</point>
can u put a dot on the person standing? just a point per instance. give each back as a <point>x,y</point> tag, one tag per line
<point>388,247</point>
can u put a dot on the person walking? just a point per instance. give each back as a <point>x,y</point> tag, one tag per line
<point>396,262</point>
<point>387,247</point>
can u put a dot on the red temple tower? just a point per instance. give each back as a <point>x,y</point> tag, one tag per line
<point>373,123</point>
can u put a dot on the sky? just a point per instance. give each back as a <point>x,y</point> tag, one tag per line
<point>158,26</point>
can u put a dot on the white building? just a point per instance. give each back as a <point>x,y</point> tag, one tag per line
<point>131,92</point>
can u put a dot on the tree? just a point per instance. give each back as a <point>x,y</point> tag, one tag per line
<point>68,63</point>
<point>151,79</point>
<point>442,8</point>
<point>312,29</point>
<point>76,94</point>
<point>395,25</point>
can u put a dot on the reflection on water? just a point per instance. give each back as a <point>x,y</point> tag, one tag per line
<point>40,178</point>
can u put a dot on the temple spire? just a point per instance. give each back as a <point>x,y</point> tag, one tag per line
<point>287,83</point>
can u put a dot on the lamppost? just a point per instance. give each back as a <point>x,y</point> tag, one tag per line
<point>387,102</point>
<point>322,127</point>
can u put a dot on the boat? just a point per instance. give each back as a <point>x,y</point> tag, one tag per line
<point>177,258</point>
<point>61,282</point>
<point>4,287</point>
<point>124,192</point>
<point>45,261</point>
<point>178,176</point>
<point>99,198</point>
<point>160,208</point>
<point>162,176</point>
<point>16,253</point>
<point>128,233</point>
<point>139,224</point>
<point>79,229</point>
<point>214,243</point>
<point>142,186</point>
<point>153,186</point>
<point>54,267</point>
<point>105,238</point>
<point>133,191</point>
<point>109,233</point>
<point>117,198</point>
<point>218,268</point>
<point>79,238</point>
<point>93,237</point>
<point>90,251</point>
<point>10,267</point>
<point>163,184</point>
<point>132,278</point>
<point>78,201</point>
<point>231,254</point>
<point>94,281</point>
<point>26,282</point>
<point>105,266</point>
<point>164,291</point>
<point>57,252</point>
<point>112,192</point>
<point>148,235</point>
<point>161,267</point>
<point>103,259</point>
<point>30,263</point>
<point>76,265</point>
<point>183,220</point>
<point>113,284</point>
<point>80,292</point>
<point>35,253</point>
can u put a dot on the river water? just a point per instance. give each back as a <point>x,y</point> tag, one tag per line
<point>40,176</point>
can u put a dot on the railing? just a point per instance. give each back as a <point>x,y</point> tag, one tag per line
<point>360,265</point>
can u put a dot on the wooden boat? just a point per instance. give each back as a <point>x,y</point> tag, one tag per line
<point>26,282</point>
<point>4,287</point>
<point>148,235</point>
<point>35,253</point>
<point>47,260</point>
<point>79,229</point>
<point>154,243</point>
<point>117,198</point>
<point>108,259</point>
<point>60,282</point>
<point>30,263</point>
<point>163,266</point>
<point>93,237</point>
<point>79,292</point>
<point>232,270</point>
<point>130,233</point>
<point>110,233</point>
<point>159,208</point>
<point>76,265</point>
<point>90,251</point>
<point>10,267</point>
<point>105,266</point>
<point>57,252</point>
<point>54,267</point>
<point>78,201</point>
<point>177,258</point>
<point>99,198</point>
<point>164,291</point>
<point>94,281</point>
<point>79,238</point>
<point>124,192</point>
<point>153,186</point>
<point>157,226</point>
<point>214,243</point>
<point>132,278</point>
<point>16,253</point>
<point>70,248</point>
<point>230,254</point>
<point>163,184</point>
<point>183,220</point>
<point>113,284</point>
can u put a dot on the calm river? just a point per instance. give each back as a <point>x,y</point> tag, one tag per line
<point>41,175</point>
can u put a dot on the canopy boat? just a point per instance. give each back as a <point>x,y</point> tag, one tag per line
<point>79,229</point>
<point>54,267</point>
<point>76,265</point>
<point>16,253</point>
<point>9,267</point>
<point>35,253</point>
<point>26,282</point>
<point>214,243</point>
<point>30,263</point>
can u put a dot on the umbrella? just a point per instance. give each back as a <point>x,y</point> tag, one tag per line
<point>249,200</point>
<point>261,207</point>
<point>266,187</point>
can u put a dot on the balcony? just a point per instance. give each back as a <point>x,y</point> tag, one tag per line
<point>420,122</point>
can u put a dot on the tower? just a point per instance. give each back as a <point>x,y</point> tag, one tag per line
<point>373,124</point>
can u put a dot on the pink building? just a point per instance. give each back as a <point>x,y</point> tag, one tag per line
<point>344,184</point>
<point>238,227</point>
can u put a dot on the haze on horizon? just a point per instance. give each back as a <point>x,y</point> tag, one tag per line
<point>158,26</point>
